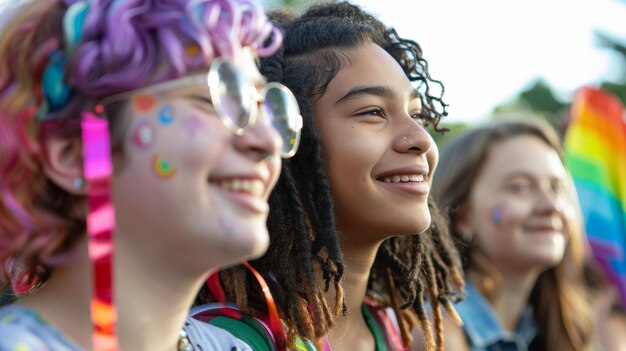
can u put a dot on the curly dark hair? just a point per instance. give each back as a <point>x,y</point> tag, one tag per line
<point>304,240</point>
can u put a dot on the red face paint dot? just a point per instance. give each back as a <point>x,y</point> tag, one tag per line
<point>143,135</point>
<point>144,103</point>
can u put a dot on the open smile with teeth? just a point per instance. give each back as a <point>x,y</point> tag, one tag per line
<point>404,178</point>
<point>253,187</point>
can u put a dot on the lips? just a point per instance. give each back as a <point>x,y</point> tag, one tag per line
<point>413,173</point>
<point>543,228</point>
<point>246,191</point>
<point>254,187</point>
<point>405,178</point>
<point>410,180</point>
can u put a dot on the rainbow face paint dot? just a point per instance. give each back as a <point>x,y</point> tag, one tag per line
<point>162,168</point>
<point>166,115</point>
<point>144,103</point>
<point>143,136</point>
<point>192,124</point>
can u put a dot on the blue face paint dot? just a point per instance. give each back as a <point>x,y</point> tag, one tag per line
<point>166,115</point>
<point>497,215</point>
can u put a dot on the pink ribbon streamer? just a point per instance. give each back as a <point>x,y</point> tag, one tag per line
<point>100,224</point>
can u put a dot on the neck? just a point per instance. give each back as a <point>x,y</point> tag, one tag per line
<point>66,287</point>
<point>511,298</point>
<point>152,296</point>
<point>351,332</point>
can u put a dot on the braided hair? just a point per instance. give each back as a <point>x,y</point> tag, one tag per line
<point>304,239</point>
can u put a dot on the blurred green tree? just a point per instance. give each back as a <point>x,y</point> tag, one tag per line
<point>540,99</point>
<point>618,87</point>
<point>454,129</point>
<point>294,4</point>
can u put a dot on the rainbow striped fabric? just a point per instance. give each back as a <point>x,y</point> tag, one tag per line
<point>595,145</point>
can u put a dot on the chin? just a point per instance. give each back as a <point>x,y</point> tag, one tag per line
<point>252,243</point>
<point>260,246</point>
<point>405,223</point>
<point>421,224</point>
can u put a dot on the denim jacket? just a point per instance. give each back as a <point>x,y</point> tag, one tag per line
<point>483,330</point>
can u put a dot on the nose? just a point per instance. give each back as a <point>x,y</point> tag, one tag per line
<point>548,201</point>
<point>411,137</point>
<point>261,140</point>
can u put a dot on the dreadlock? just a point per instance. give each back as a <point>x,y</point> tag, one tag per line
<point>418,268</point>
<point>304,240</point>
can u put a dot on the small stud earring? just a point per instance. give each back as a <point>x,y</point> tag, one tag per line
<point>78,183</point>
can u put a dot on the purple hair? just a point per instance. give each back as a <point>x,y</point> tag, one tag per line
<point>120,45</point>
<point>124,42</point>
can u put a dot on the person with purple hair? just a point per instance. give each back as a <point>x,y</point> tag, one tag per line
<point>138,147</point>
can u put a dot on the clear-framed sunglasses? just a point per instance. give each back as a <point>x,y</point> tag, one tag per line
<point>236,101</point>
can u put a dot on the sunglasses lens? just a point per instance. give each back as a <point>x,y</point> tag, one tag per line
<point>235,95</point>
<point>282,110</point>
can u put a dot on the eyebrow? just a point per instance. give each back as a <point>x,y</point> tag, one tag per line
<point>528,175</point>
<point>518,174</point>
<point>377,90</point>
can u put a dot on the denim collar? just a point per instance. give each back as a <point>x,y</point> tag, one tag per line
<point>482,326</point>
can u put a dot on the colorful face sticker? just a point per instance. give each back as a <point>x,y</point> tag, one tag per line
<point>192,124</point>
<point>166,115</point>
<point>144,135</point>
<point>496,214</point>
<point>144,103</point>
<point>162,168</point>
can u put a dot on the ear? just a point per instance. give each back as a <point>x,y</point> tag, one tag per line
<point>64,163</point>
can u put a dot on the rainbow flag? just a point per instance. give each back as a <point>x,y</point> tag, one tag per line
<point>595,146</point>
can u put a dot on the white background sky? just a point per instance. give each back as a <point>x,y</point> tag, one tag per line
<point>487,51</point>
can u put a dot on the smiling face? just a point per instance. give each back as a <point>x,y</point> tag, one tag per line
<point>189,187</point>
<point>518,205</point>
<point>380,159</point>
